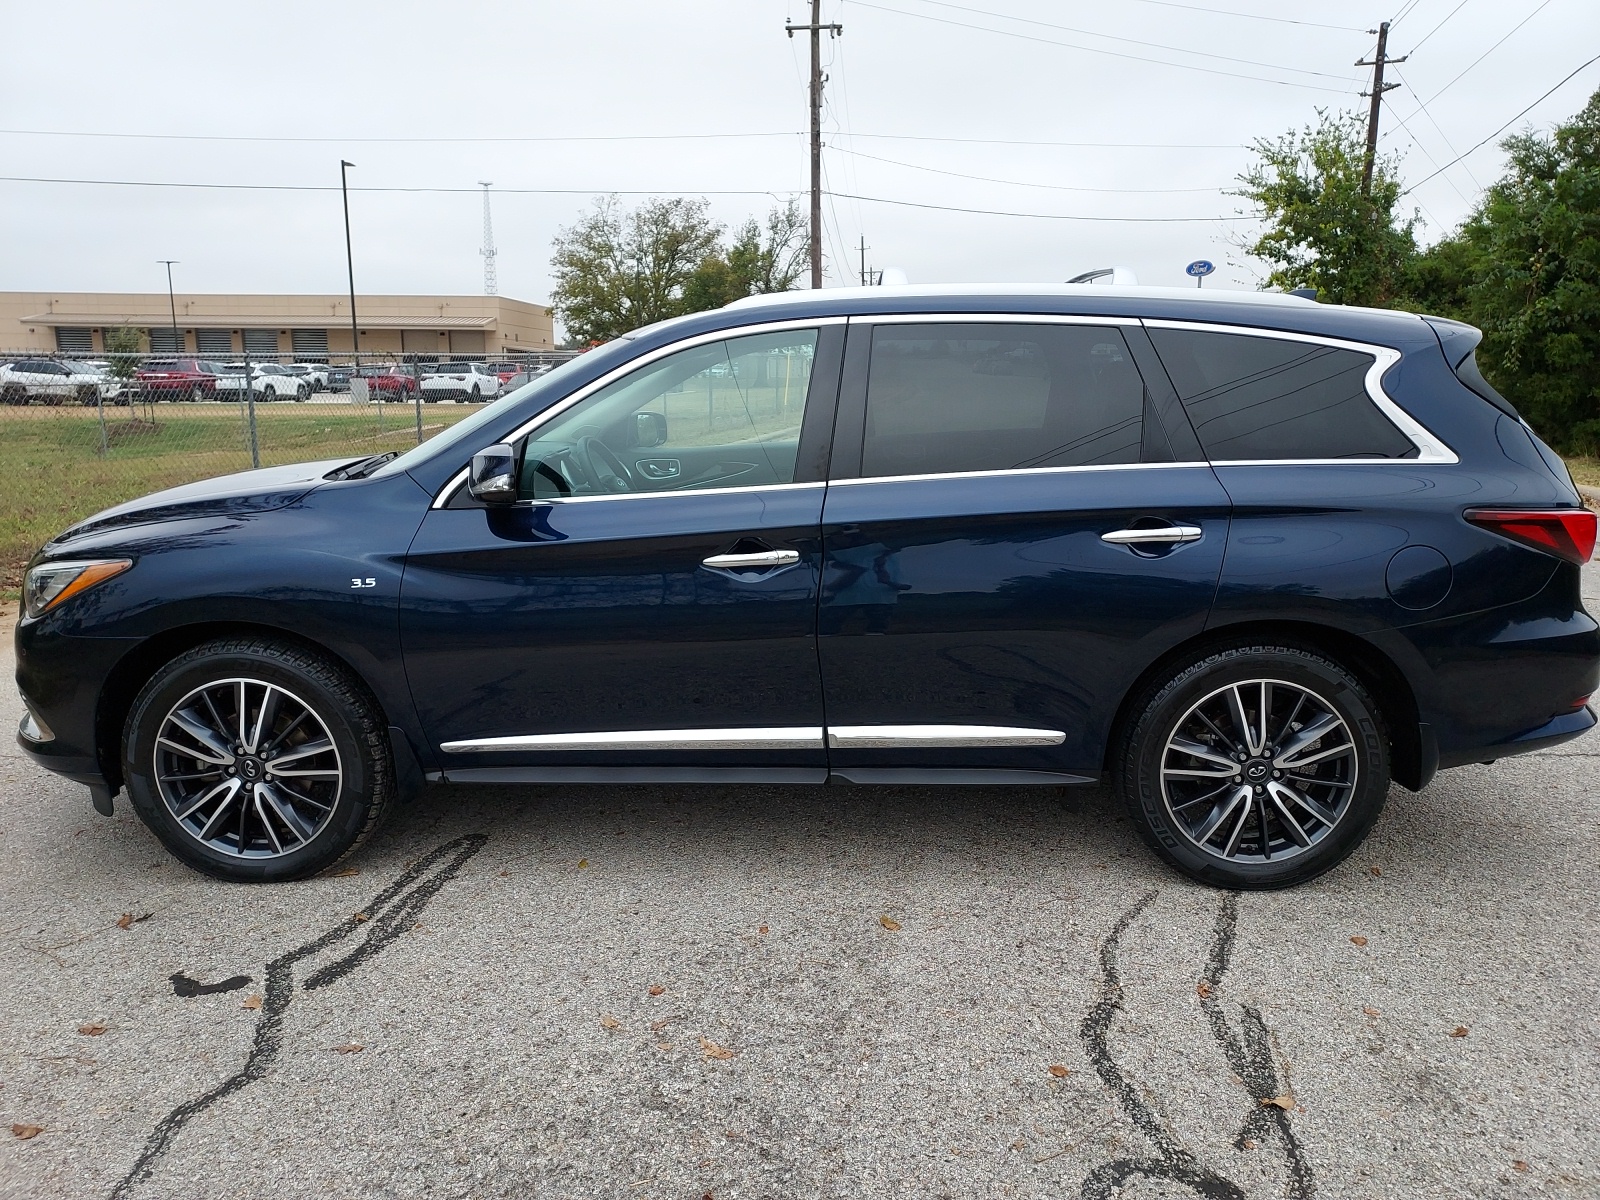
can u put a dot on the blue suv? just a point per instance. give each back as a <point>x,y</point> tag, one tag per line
<point>1249,558</point>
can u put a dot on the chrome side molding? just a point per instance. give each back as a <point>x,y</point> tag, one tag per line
<point>785,738</point>
<point>935,736</point>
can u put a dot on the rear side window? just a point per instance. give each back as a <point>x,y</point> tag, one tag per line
<point>1267,398</point>
<point>943,398</point>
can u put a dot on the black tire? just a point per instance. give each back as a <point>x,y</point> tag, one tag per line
<point>196,394</point>
<point>13,395</point>
<point>477,395</point>
<point>88,396</point>
<point>364,790</point>
<point>1161,801</point>
<point>300,394</point>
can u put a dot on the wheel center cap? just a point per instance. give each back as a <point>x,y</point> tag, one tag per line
<point>250,769</point>
<point>1257,771</point>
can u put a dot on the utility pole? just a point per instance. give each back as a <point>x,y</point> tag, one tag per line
<point>863,260</point>
<point>1379,87</point>
<point>350,264</point>
<point>815,28</point>
<point>490,286</point>
<point>177,342</point>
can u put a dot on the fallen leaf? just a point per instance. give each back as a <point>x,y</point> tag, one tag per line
<point>1203,990</point>
<point>1370,1011</point>
<point>349,1048</point>
<point>505,874</point>
<point>253,1003</point>
<point>607,1021</point>
<point>712,1050</point>
<point>1358,940</point>
<point>889,923</point>
<point>1519,1165</point>
<point>761,929</point>
<point>360,917</point>
<point>1018,1144</point>
<point>658,1026</point>
<point>93,1029</point>
<point>1459,1031</point>
<point>1059,1071</point>
<point>27,1131</point>
<point>656,989</point>
<point>1375,870</point>
<point>1249,1144</point>
<point>663,1046</point>
<point>1285,1102</point>
<point>346,873</point>
<point>125,921</point>
<point>583,862</point>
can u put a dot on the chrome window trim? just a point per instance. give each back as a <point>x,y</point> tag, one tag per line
<point>939,736</point>
<point>782,738</point>
<point>456,481</point>
<point>1149,466</point>
<point>752,489</point>
<point>991,318</point>
<point>1430,449</point>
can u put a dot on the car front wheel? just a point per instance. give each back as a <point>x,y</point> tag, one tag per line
<point>1255,767</point>
<point>256,761</point>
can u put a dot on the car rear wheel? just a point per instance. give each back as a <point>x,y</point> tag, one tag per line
<point>196,394</point>
<point>13,395</point>
<point>257,761</point>
<point>300,394</point>
<point>1255,767</point>
<point>477,395</point>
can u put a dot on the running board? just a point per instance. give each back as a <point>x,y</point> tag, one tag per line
<point>955,776</point>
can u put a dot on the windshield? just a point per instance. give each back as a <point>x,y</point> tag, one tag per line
<point>467,431</point>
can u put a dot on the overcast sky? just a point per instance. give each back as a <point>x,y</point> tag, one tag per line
<point>1139,108</point>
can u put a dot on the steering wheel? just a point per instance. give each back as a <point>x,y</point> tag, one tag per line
<point>609,473</point>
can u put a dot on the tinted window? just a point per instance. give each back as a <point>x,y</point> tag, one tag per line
<point>1259,397</point>
<point>726,414</point>
<point>991,397</point>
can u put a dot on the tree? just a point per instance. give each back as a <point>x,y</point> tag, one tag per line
<point>122,348</point>
<point>1323,231</point>
<point>1525,268</point>
<point>616,271</point>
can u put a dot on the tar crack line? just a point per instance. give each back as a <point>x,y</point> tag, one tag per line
<point>391,912</point>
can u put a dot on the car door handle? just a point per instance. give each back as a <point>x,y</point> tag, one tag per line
<point>1156,536</point>
<point>756,558</point>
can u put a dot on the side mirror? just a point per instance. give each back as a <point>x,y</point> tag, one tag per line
<point>493,478</point>
<point>649,429</point>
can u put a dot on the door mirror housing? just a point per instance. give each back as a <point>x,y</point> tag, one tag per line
<point>493,478</point>
<point>649,429</point>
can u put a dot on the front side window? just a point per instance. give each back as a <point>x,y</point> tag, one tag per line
<point>1270,398</point>
<point>725,414</point>
<point>945,398</point>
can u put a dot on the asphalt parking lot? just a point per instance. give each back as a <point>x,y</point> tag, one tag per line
<point>678,992</point>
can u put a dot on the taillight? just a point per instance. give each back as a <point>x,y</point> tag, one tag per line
<point>1567,533</point>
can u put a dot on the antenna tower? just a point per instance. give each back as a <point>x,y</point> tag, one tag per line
<point>490,286</point>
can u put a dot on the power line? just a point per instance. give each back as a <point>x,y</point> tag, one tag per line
<point>1490,50</point>
<point>1223,12</point>
<point>1440,25</point>
<point>913,137</point>
<point>1405,11</point>
<point>1028,37</point>
<point>1502,128</point>
<point>1054,187</point>
<point>990,212</point>
<point>1131,41</point>
<point>219,137</point>
<point>1443,136</point>
<point>443,191</point>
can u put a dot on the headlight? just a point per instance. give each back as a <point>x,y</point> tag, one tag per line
<point>48,584</point>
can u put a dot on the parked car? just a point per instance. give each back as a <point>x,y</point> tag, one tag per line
<point>338,378</point>
<point>393,382</point>
<point>469,381</point>
<point>270,381</point>
<point>46,381</point>
<point>178,379</point>
<point>314,374</point>
<point>506,371</point>
<point>1247,558</point>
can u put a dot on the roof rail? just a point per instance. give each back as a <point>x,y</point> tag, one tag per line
<point>1118,276</point>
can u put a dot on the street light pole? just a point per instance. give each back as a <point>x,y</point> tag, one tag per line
<point>177,342</point>
<point>350,264</point>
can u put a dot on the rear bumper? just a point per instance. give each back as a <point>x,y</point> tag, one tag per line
<point>1552,733</point>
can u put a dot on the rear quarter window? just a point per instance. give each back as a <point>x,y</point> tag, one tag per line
<point>1252,398</point>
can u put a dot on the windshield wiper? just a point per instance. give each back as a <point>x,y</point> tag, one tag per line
<point>362,467</point>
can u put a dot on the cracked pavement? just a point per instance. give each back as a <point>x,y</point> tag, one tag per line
<point>500,988</point>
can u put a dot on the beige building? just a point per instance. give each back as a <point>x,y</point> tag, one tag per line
<point>289,327</point>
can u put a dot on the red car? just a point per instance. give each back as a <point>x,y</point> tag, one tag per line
<point>389,383</point>
<point>179,379</point>
<point>506,370</point>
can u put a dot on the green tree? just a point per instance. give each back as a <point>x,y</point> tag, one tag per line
<point>1324,231</point>
<point>1525,268</point>
<point>123,345</point>
<point>615,271</point>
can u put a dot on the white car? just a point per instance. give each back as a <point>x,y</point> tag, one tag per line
<point>468,381</point>
<point>315,374</point>
<point>269,381</point>
<point>51,382</point>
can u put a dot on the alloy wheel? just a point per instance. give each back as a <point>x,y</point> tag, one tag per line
<point>247,768</point>
<point>1259,771</point>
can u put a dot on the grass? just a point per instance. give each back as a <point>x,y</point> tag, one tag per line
<point>53,471</point>
<point>1585,470</point>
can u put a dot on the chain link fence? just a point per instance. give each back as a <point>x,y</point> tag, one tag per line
<point>78,434</point>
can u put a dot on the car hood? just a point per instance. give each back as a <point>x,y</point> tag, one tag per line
<point>225,496</point>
